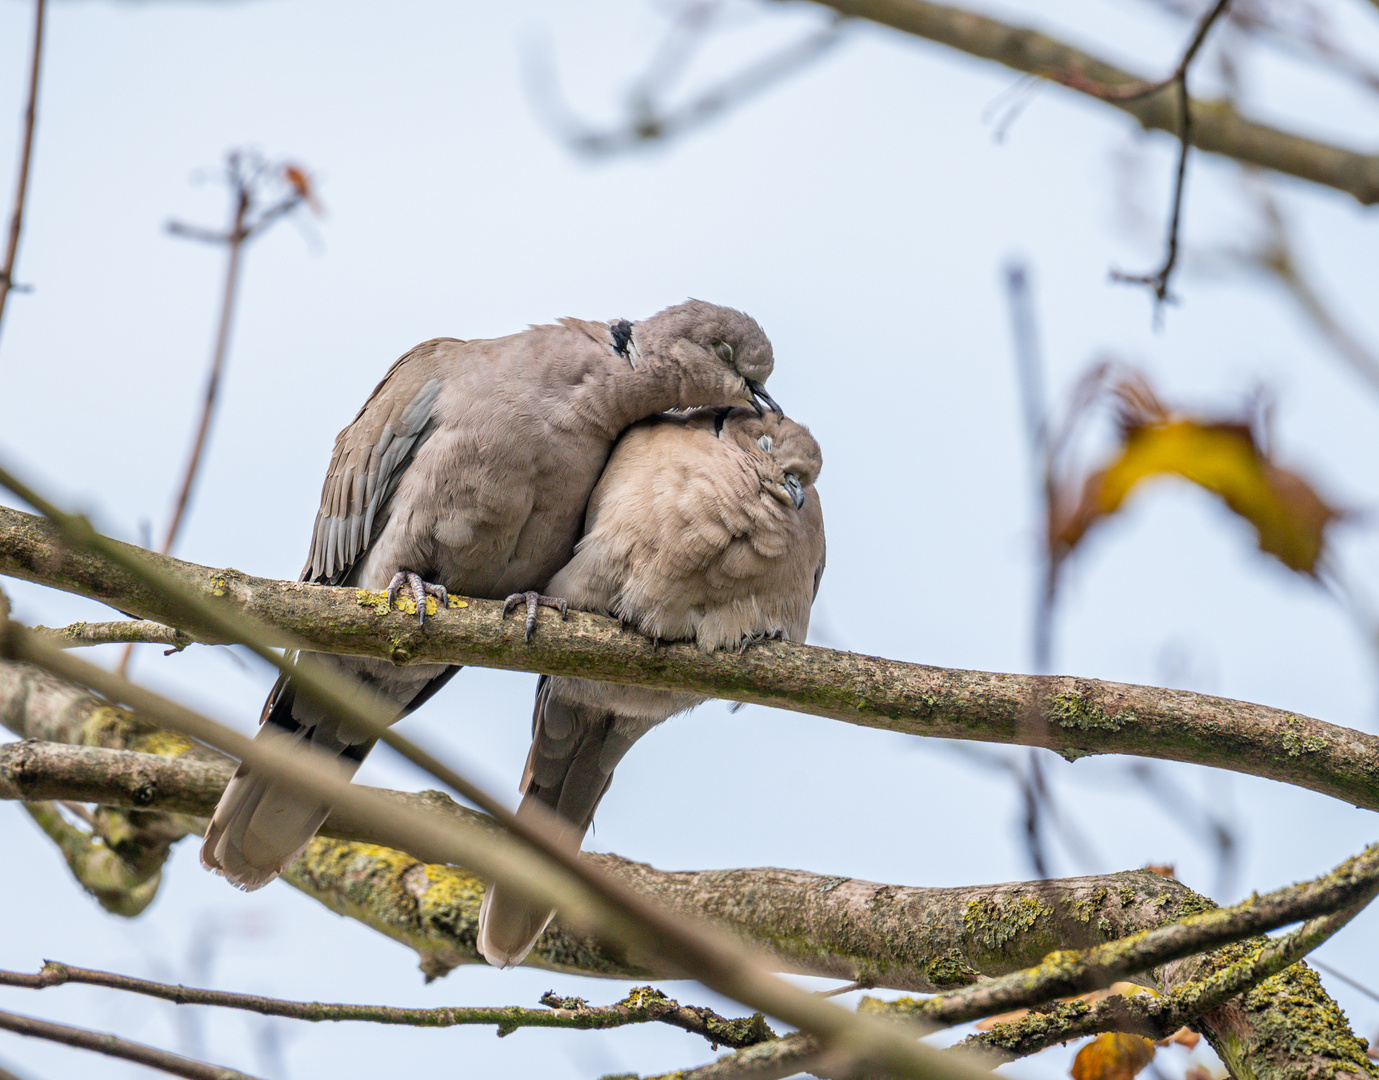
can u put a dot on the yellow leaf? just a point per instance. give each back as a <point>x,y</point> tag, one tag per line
<point>1112,1055</point>
<point>1287,513</point>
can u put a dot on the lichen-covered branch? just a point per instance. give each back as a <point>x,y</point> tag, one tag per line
<point>1217,127</point>
<point>643,1005</point>
<point>116,632</point>
<point>1083,716</point>
<point>909,938</point>
<point>1155,1016</point>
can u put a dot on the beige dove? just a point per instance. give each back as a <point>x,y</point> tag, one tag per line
<point>704,527</point>
<point>467,471</point>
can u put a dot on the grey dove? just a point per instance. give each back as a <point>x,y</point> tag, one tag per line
<point>467,471</point>
<point>704,527</point>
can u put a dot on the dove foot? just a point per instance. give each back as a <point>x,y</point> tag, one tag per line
<point>751,639</point>
<point>533,600</point>
<point>419,589</point>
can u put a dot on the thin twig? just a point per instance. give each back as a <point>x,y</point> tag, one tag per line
<point>642,1005</point>
<point>25,156</point>
<point>244,173</point>
<point>650,124</point>
<point>112,1046</point>
<point>1158,281</point>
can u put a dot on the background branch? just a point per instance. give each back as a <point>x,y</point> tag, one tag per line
<point>25,156</point>
<point>113,1046</point>
<point>642,1005</point>
<point>1218,127</point>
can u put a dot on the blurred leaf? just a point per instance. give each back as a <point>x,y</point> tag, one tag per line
<point>300,181</point>
<point>1222,457</point>
<point>1112,1056</point>
<point>1184,1036</point>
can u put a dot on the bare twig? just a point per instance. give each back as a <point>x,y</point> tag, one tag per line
<point>25,156</point>
<point>1158,281</point>
<point>112,1046</point>
<point>650,121</point>
<point>245,174</point>
<point>1275,255</point>
<point>642,1005</point>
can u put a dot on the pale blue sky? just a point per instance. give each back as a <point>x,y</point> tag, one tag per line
<point>863,213</point>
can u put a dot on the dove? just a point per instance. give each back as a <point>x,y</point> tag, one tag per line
<point>705,527</point>
<point>467,471</point>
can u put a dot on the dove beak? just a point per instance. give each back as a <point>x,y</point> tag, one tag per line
<point>760,397</point>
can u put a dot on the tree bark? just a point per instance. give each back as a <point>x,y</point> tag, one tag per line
<point>1077,716</point>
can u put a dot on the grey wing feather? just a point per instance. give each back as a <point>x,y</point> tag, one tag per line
<point>369,459</point>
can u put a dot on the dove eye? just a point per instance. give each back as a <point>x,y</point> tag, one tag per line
<point>765,443</point>
<point>724,351</point>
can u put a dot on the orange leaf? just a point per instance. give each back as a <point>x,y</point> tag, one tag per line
<point>300,181</point>
<point>1001,1018</point>
<point>1184,1036</point>
<point>1112,1056</point>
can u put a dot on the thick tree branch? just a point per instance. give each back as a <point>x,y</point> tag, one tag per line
<point>1085,716</point>
<point>1156,1017</point>
<point>1217,127</point>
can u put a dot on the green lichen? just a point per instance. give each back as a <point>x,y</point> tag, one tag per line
<point>1295,743</point>
<point>950,971</point>
<point>1075,711</point>
<point>1292,1023</point>
<point>997,922</point>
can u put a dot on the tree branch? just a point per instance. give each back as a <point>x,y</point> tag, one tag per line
<point>1085,716</point>
<point>117,632</point>
<point>1158,1017</point>
<point>642,1005</point>
<point>1217,127</point>
<point>112,1046</point>
<point>25,156</point>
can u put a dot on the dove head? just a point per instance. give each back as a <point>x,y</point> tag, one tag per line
<point>719,356</point>
<point>787,455</point>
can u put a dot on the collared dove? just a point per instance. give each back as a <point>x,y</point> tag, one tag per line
<point>467,471</point>
<point>704,527</point>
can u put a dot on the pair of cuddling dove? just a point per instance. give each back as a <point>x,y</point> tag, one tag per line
<point>541,463</point>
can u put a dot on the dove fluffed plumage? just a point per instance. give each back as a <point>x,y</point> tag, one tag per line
<point>468,469</point>
<point>704,527</point>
